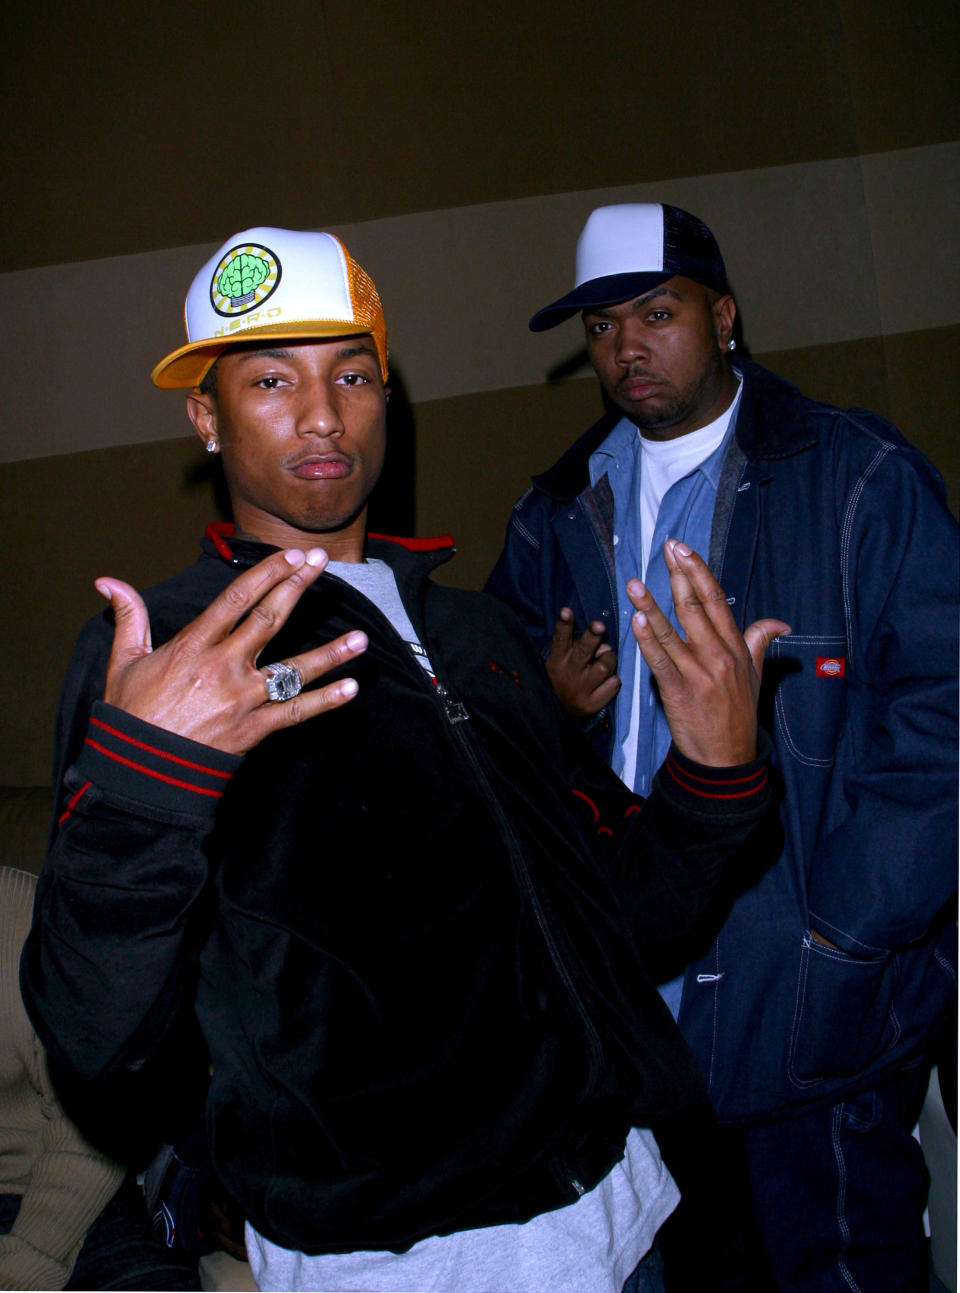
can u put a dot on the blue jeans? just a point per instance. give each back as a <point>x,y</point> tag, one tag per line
<point>838,1194</point>
<point>120,1251</point>
<point>648,1277</point>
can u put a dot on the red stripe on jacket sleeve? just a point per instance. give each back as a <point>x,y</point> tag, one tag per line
<point>150,772</point>
<point>144,764</point>
<point>160,754</point>
<point>718,786</point>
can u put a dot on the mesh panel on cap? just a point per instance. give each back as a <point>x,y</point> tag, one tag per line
<point>367,306</point>
<point>691,249</point>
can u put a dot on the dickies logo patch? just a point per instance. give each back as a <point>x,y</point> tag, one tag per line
<point>831,666</point>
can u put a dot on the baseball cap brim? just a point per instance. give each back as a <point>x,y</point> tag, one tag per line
<point>597,293</point>
<point>187,366</point>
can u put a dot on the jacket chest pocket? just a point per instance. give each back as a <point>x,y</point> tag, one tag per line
<point>810,695</point>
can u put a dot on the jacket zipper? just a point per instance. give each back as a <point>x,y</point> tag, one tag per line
<point>455,712</point>
<point>594,1045</point>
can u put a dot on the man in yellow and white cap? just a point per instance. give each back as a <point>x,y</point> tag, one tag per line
<point>246,291</point>
<point>416,916</point>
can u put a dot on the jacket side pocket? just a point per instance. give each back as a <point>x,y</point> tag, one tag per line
<point>844,1014</point>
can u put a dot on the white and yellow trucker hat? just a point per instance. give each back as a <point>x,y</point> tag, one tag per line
<point>281,283</point>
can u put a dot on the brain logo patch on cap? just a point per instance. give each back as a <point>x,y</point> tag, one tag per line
<point>243,279</point>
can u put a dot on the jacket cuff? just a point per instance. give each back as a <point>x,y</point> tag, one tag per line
<point>126,756</point>
<point>724,792</point>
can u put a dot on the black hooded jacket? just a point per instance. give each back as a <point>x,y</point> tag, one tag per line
<point>419,932</point>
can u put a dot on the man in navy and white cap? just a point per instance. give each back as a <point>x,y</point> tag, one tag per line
<point>415,914</point>
<point>812,1012</point>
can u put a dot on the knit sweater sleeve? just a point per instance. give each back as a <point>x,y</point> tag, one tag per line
<point>63,1181</point>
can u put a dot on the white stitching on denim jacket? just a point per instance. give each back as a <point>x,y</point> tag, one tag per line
<point>846,530</point>
<point>797,1010</point>
<point>841,1198</point>
<point>944,963</point>
<point>522,530</point>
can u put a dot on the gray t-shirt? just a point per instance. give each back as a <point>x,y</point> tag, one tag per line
<point>594,1244</point>
<point>376,581</point>
<point>591,1246</point>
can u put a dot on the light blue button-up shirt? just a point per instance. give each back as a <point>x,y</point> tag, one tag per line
<point>686,512</point>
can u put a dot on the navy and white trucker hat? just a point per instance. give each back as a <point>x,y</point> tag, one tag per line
<point>631,247</point>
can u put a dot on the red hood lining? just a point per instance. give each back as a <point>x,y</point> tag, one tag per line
<point>218,532</point>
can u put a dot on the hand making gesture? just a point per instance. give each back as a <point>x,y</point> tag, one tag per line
<point>204,683</point>
<point>709,681</point>
<point>583,670</point>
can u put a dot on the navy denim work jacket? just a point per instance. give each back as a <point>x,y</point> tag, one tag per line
<point>831,521</point>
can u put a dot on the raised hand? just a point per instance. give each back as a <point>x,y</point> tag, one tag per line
<point>204,682</point>
<point>709,682</point>
<point>583,670</point>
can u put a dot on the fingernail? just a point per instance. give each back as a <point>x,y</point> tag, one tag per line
<point>682,549</point>
<point>316,557</point>
<point>637,588</point>
<point>639,618</point>
<point>293,557</point>
<point>356,641</point>
<point>349,687</point>
<point>104,590</point>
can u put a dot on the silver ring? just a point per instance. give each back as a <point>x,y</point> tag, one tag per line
<point>283,681</point>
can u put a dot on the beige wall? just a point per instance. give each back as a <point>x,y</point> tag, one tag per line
<point>458,150</point>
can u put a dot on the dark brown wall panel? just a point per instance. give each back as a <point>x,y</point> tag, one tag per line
<point>136,513</point>
<point>476,456</point>
<point>904,67</point>
<point>910,378</point>
<point>922,370</point>
<point>140,129</point>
